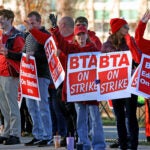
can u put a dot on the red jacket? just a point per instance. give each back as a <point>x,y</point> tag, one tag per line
<point>41,37</point>
<point>62,57</point>
<point>95,39</point>
<point>18,44</point>
<point>134,49</point>
<point>143,44</point>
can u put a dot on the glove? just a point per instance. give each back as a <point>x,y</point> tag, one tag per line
<point>97,81</point>
<point>53,20</point>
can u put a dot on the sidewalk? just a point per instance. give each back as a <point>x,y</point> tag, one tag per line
<point>110,135</point>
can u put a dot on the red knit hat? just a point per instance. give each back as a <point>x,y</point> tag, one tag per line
<point>116,24</point>
<point>80,28</point>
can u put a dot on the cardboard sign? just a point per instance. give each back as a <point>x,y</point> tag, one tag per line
<point>28,78</point>
<point>114,72</point>
<point>81,76</point>
<point>55,66</point>
<point>144,76</point>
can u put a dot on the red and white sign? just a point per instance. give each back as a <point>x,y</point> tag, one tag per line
<point>19,96</point>
<point>55,66</point>
<point>1,32</point>
<point>133,82</point>
<point>28,78</point>
<point>81,76</point>
<point>114,72</point>
<point>143,86</point>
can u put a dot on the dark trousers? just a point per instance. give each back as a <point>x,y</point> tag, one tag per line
<point>58,119</point>
<point>26,121</point>
<point>69,112</point>
<point>126,108</point>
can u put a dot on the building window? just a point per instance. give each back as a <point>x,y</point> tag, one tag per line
<point>127,0</point>
<point>102,27</point>
<point>102,0</point>
<point>101,14</point>
<point>79,13</point>
<point>129,14</point>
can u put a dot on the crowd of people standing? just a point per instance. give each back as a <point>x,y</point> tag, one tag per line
<point>53,114</point>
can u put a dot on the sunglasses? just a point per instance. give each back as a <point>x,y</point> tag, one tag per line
<point>126,27</point>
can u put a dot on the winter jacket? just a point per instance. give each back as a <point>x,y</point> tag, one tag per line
<point>62,57</point>
<point>108,47</point>
<point>14,43</point>
<point>32,44</point>
<point>143,44</point>
<point>95,39</point>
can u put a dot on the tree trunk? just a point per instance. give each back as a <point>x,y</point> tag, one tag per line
<point>65,7</point>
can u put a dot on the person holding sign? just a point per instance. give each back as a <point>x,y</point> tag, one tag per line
<point>82,44</point>
<point>66,26</point>
<point>61,107</point>
<point>39,110</point>
<point>144,45</point>
<point>92,35</point>
<point>11,42</point>
<point>83,109</point>
<point>124,107</point>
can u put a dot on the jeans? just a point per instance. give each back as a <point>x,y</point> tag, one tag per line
<point>97,133</point>
<point>40,112</point>
<point>126,108</point>
<point>57,112</point>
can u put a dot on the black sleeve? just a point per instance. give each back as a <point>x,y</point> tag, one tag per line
<point>14,56</point>
<point>40,55</point>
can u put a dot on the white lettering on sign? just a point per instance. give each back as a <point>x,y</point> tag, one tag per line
<point>28,66</point>
<point>143,81</point>
<point>147,65</point>
<point>145,74</point>
<point>114,85</point>
<point>113,74</point>
<point>83,87</point>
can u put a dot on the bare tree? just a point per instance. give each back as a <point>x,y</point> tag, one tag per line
<point>23,7</point>
<point>66,7</point>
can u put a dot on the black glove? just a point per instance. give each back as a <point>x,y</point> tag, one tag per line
<point>53,20</point>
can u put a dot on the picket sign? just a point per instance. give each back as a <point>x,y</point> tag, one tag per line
<point>29,86</point>
<point>81,76</point>
<point>143,83</point>
<point>114,73</point>
<point>55,67</point>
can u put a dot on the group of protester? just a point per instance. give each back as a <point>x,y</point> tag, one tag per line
<point>54,115</point>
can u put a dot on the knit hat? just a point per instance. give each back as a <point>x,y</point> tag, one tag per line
<point>116,24</point>
<point>79,29</point>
